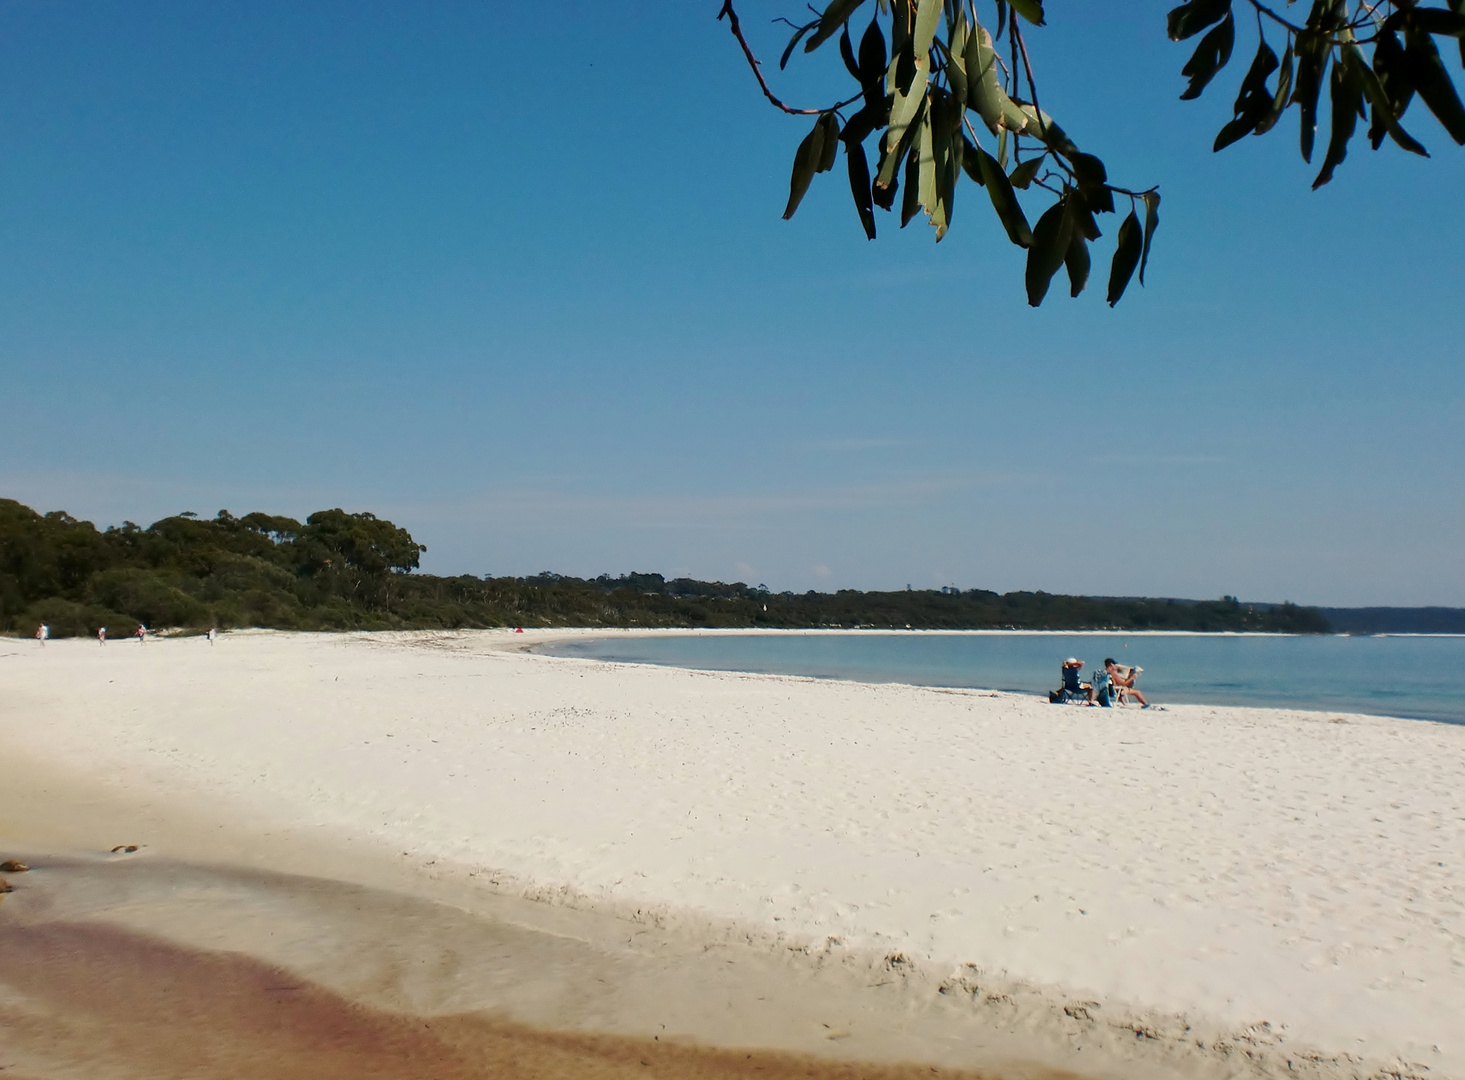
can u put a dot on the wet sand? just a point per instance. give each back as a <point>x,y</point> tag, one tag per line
<point>97,1001</point>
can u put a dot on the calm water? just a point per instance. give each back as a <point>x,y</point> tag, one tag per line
<point>1417,677</point>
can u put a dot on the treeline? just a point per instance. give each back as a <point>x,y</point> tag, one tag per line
<point>345,571</point>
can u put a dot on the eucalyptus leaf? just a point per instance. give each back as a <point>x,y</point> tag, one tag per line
<point>830,145</point>
<point>859,185</point>
<point>832,19</point>
<point>1004,201</point>
<point>1313,51</point>
<point>1383,109</point>
<point>910,203</point>
<point>1282,95</point>
<point>1210,56</point>
<point>872,59</point>
<point>984,92</point>
<point>1347,95</point>
<point>806,162</point>
<point>905,114</point>
<point>1051,237</point>
<point>1022,176</point>
<point>970,163</point>
<point>1193,17</point>
<point>798,36</point>
<point>1427,72</point>
<point>1126,257</point>
<point>1031,10</point>
<point>1077,261</point>
<point>928,12</point>
<point>847,54</point>
<point>1152,222</point>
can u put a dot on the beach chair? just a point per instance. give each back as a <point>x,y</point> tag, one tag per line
<point>1121,693</point>
<point>1072,692</point>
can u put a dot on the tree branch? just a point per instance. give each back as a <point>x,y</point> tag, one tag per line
<point>737,31</point>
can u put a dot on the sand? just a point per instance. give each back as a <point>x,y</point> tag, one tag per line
<point>971,879</point>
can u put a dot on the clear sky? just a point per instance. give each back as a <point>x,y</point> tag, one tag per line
<point>514,276</point>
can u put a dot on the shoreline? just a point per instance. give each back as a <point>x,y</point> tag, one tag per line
<point>582,847</point>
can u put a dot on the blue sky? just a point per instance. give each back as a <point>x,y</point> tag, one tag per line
<point>515,277</point>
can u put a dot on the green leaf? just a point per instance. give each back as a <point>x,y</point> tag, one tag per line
<point>1210,57</point>
<point>1051,238</point>
<point>1437,22</point>
<point>859,185</point>
<point>1347,97</point>
<point>1004,201</point>
<point>970,163</point>
<point>1280,98</point>
<point>1022,176</point>
<point>1076,259</point>
<point>905,114</point>
<point>1391,69</point>
<point>1427,72</point>
<point>1126,258</point>
<point>884,197</point>
<point>927,14</point>
<point>806,163</point>
<point>1383,108</point>
<point>872,59</point>
<point>910,204</point>
<point>847,54</point>
<point>1031,10</point>
<point>798,36</point>
<point>1152,222</point>
<point>1080,215</point>
<point>1313,51</point>
<point>830,143</point>
<point>1193,17</point>
<point>945,145</point>
<point>1458,7</point>
<point>1253,101</point>
<point>832,19</point>
<point>955,52</point>
<point>1093,182</point>
<point>924,151</point>
<point>984,93</point>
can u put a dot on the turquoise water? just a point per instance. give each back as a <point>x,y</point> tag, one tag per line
<point>1416,677</point>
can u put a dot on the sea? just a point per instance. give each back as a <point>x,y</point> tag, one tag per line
<point>1418,677</point>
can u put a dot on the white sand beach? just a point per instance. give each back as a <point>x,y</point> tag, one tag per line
<point>1204,891</point>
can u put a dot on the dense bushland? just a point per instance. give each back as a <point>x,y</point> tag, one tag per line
<point>344,571</point>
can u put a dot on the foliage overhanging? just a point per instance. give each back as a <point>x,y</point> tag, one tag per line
<point>934,83</point>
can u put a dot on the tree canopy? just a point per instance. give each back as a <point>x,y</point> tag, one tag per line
<point>345,571</point>
<point>948,94</point>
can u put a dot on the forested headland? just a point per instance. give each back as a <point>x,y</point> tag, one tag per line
<point>355,571</point>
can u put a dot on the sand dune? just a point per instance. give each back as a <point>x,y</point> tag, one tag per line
<point>1208,889</point>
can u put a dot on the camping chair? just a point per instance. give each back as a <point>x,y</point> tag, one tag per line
<point>1072,691</point>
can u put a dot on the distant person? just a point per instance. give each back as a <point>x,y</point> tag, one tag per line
<point>101,635</point>
<point>1123,684</point>
<point>1072,669</point>
<point>213,633</point>
<point>43,633</point>
<point>142,634</point>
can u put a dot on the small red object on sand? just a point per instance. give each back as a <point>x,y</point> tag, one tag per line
<point>518,629</point>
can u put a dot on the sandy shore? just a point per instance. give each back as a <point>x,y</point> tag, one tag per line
<point>893,873</point>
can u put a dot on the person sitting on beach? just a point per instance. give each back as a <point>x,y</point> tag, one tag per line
<point>1124,684</point>
<point>1072,668</point>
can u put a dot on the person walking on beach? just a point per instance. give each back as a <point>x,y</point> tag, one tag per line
<point>43,632</point>
<point>142,634</point>
<point>101,635</point>
<point>213,633</point>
